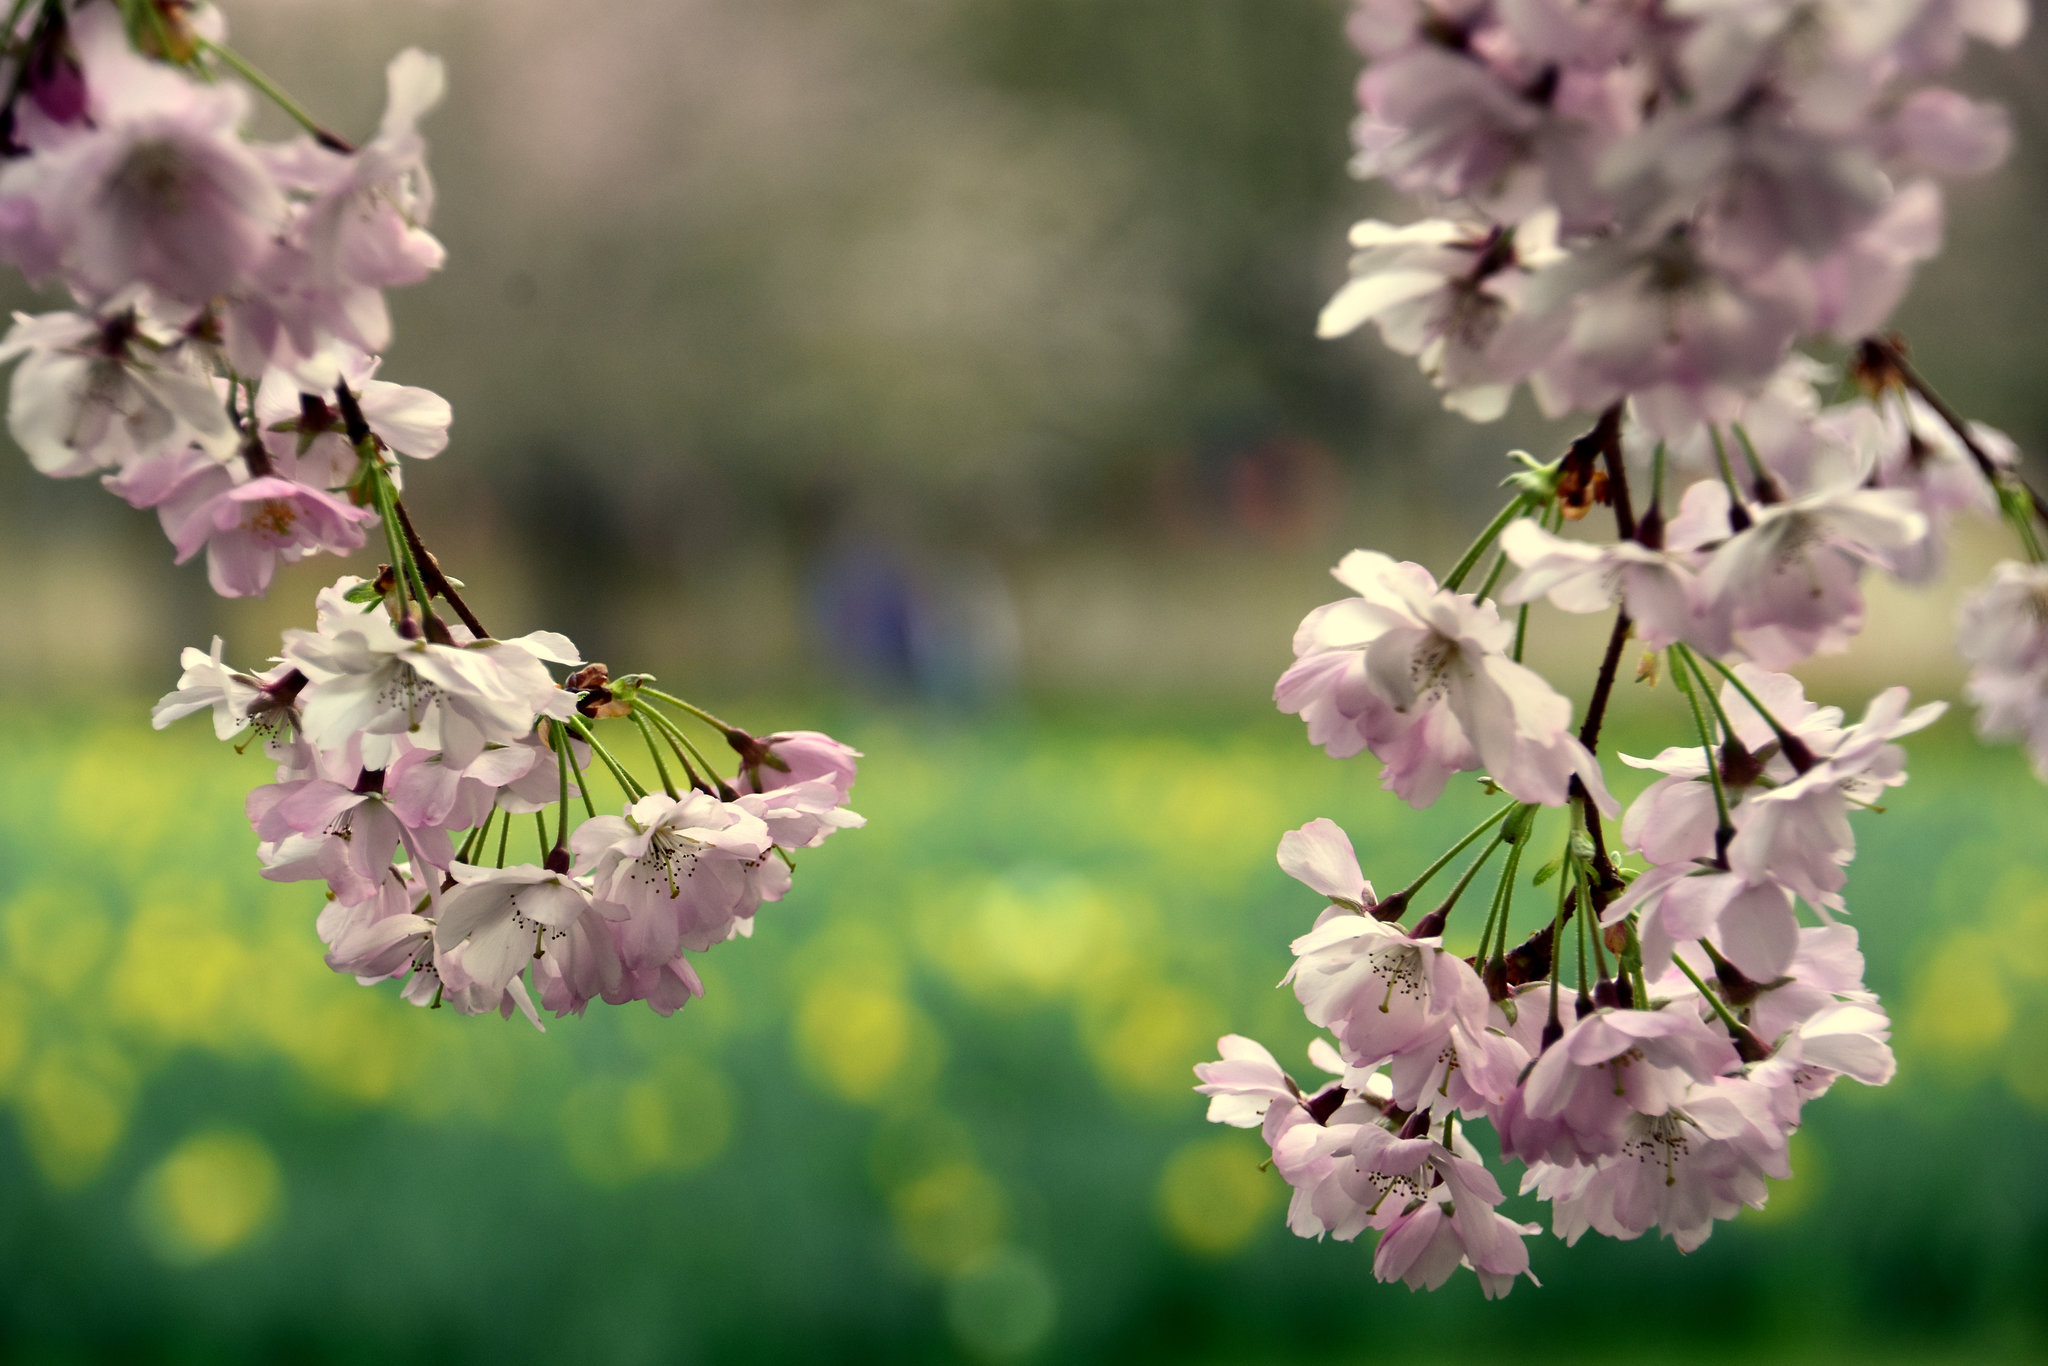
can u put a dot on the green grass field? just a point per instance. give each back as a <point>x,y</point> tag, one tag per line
<point>937,1108</point>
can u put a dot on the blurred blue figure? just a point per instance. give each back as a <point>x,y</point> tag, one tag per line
<point>940,626</point>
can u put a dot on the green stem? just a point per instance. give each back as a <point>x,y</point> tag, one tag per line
<point>394,547</point>
<point>561,737</point>
<point>1478,547</point>
<point>675,733</point>
<point>569,758</point>
<point>1708,690</point>
<point>1756,464</point>
<point>667,730</point>
<point>1465,878</point>
<point>1585,914</point>
<point>1635,965</point>
<point>405,565</point>
<point>1735,1026</point>
<point>1503,902</point>
<point>702,715</point>
<point>1474,833</point>
<point>1724,829</point>
<point>504,837</point>
<point>631,785</point>
<point>1785,737</point>
<point>654,752</point>
<point>271,90</point>
<point>1500,562</point>
<point>1727,470</point>
<point>540,827</point>
<point>469,845</point>
<point>1657,477</point>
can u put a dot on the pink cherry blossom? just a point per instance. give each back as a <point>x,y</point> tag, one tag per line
<point>1658,587</point>
<point>1798,833</point>
<point>496,921</point>
<point>387,934</point>
<point>1448,293</point>
<point>366,679</point>
<point>1320,857</point>
<point>1680,1171</point>
<point>157,187</point>
<point>1380,990</point>
<point>684,872</point>
<point>805,756</point>
<point>266,702</point>
<point>2002,630</point>
<point>93,392</point>
<point>1422,677</point>
<point>360,229</point>
<point>1609,1065</point>
<point>247,523</point>
<point>308,428</point>
<point>1787,583</point>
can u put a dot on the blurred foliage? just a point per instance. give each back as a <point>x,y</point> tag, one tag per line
<point>937,1108</point>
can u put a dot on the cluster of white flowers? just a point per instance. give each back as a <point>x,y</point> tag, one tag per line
<point>1644,208</point>
<point>218,365</point>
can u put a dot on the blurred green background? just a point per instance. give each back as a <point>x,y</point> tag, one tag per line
<point>938,374</point>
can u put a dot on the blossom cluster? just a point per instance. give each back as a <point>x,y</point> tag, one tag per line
<point>218,365</point>
<point>1643,210</point>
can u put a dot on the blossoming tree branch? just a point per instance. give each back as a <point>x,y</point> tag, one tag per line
<point>219,366</point>
<point>1687,220</point>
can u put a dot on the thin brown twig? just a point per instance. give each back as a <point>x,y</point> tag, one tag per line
<point>1889,354</point>
<point>430,570</point>
<point>1607,882</point>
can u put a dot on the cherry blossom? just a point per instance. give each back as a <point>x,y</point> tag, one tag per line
<point>99,391</point>
<point>1422,677</point>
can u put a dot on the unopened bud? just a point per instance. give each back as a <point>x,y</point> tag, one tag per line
<point>1737,987</point>
<point>1739,767</point>
<point>1324,1103</point>
<point>589,676</point>
<point>1650,528</point>
<point>1875,366</point>
<point>1391,909</point>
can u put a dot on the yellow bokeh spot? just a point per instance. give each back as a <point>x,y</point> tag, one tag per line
<point>1029,939</point>
<point>1213,1198</point>
<point>57,936</point>
<point>178,967</point>
<point>1143,1043</point>
<point>615,1132</point>
<point>951,1219</point>
<point>212,1194</point>
<point>1960,1005</point>
<point>74,1103</point>
<point>860,1041</point>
